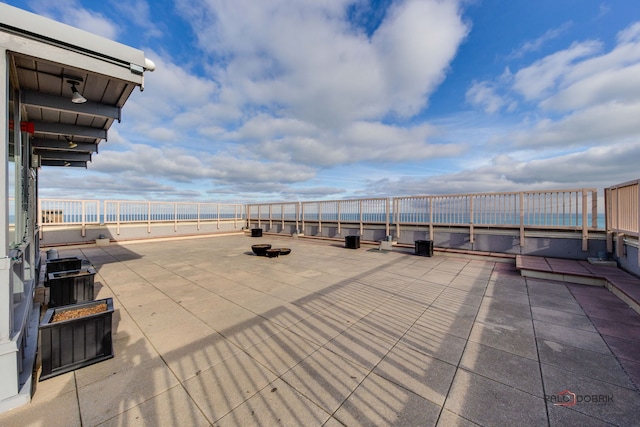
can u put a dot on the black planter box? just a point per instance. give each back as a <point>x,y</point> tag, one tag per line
<point>63,264</point>
<point>352,242</point>
<point>424,247</point>
<point>73,344</point>
<point>71,287</point>
<point>256,232</point>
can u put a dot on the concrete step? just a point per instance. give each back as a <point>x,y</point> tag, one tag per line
<point>622,284</point>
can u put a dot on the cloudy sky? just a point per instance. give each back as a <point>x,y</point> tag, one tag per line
<point>280,100</point>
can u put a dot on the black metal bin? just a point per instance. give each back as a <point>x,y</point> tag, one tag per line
<point>424,247</point>
<point>352,242</point>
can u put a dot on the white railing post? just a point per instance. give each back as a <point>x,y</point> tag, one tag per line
<point>39,219</point>
<point>637,230</point>
<point>83,225</point>
<point>361,224</point>
<point>521,199</point>
<point>430,218</point>
<point>471,237</point>
<point>387,217</point>
<point>339,218</point>
<point>585,222</point>
<point>118,217</point>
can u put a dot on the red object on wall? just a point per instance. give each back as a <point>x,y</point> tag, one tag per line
<point>24,127</point>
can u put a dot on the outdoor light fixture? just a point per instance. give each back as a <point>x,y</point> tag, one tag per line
<point>76,98</point>
<point>71,143</point>
<point>67,164</point>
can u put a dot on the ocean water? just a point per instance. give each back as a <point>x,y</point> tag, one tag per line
<point>376,218</point>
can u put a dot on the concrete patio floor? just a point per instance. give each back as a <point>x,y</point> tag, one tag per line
<point>206,333</point>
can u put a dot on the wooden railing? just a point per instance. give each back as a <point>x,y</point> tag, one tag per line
<point>622,207</point>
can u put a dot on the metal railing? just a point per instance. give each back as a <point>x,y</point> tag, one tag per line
<point>548,209</point>
<point>93,212</point>
<point>622,204</point>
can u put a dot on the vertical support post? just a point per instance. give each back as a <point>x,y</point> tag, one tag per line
<point>594,209</point>
<point>84,224</point>
<point>39,219</point>
<point>361,224</point>
<point>388,211</point>
<point>471,236</point>
<point>217,214</point>
<point>118,217</point>
<point>431,218</point>
<point>638,219</point>
<point>607,219</point>
<point>521,197</point>
<point>148,217</point>
<point>297,216</point>
<point>8,351</point>
<point>6,293</point>
<point>585,222</point>
<point>396,216</point>
<point>175,216</point>
<point>339,217</point>
<point>198,216</point>
<point>320,218</point>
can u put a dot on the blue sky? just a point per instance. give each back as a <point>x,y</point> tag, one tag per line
<point>279,100</point>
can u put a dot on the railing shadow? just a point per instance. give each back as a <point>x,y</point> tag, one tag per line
<point>369,343</point>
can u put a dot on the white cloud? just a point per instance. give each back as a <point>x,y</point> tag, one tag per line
<point>306,61</point>
<point>536,44</point>
<point>72,13</point>
<point>602,124</point>
<point>483,94</point>
<point>594,168</point>
<point>539,79</point>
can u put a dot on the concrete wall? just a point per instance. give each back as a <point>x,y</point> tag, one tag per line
<point>628,259</point>
<point>558,244</point>
<point>60,235</point>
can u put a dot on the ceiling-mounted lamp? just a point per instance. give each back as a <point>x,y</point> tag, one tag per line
<point>76,98</point>
<point>70,142</point>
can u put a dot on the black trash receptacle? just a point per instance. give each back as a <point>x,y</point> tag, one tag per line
<point>256,232</point>
<point>352,242</point>
<point>424,247</point>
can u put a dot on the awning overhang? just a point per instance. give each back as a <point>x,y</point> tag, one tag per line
<point>45,57</point>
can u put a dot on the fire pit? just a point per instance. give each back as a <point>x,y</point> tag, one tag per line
<point>273,253</point>
<point>285,251</point>
<point>261,250</point>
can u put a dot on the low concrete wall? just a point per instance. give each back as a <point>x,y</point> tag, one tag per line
<point>628,259</point>
<point>558,244</point>
<point>71,234</point>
